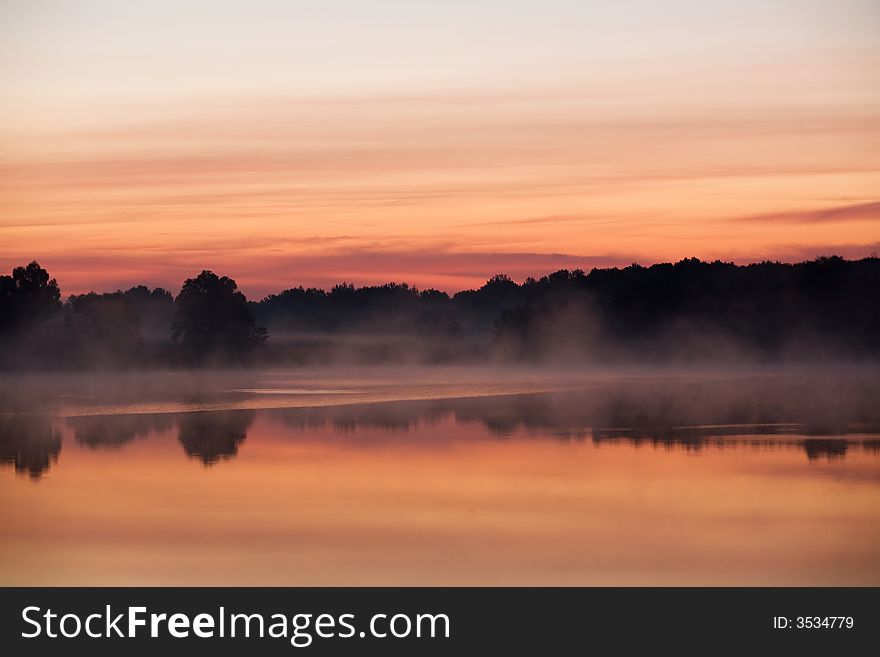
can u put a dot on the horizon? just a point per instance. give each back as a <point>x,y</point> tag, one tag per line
<point>174,289</point>
<point>440,296</point>
<point>436,142</point>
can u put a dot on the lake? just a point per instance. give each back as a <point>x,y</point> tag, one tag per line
<point>442,477</point>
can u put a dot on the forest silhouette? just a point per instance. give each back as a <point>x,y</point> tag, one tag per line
<point>691,310</point>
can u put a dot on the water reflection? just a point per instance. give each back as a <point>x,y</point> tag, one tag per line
<point>624,485</point>
<point>830,448</point>
<point>212,436</point>
<point>117,430</point>
<point>29,444</point>
<point>666,417</point>
<point>691,417</point>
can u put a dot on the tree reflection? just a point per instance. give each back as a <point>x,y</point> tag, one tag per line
<point>831,448</point>
<point>29,444</point>
<point>213,435</point>
<point>117,430</point>
<point>691,416</point>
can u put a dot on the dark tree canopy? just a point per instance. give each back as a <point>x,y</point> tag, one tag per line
<point>27,297</point>
<point>154,308</point>
<point>821,309</point>
<point>389,308</point>
<point>213,323</point>
<point>105,323</point>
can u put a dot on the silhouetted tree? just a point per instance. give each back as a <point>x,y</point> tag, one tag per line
<point>105,329</point>
<point>154,308</point>
<point>825,308</point>
<point>27,297</point>
<point>213,322</point>
<point>693,309</point>
<point>478,309</point>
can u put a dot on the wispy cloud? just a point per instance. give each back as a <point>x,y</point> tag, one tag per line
<point>858,212</point>
<point>797,253</point>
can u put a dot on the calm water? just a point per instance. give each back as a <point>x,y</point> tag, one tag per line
<point>634,481</point>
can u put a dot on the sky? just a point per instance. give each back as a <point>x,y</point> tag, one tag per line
<point>432,142</point>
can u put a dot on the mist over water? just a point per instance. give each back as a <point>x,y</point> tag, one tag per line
<point>406,293</point>
<point>379,475</point>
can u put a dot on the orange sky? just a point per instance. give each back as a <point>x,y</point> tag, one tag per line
<point>309,143</point>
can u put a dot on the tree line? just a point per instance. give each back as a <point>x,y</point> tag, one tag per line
<point>208,323</point>
<point>691,309</point>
